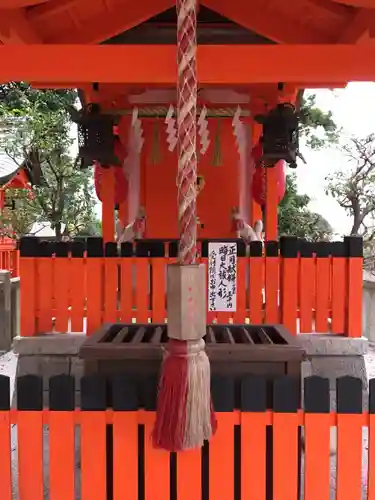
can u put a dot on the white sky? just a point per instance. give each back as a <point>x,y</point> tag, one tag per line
<point>353,109</point>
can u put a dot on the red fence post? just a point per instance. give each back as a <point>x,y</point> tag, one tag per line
<point>158,282</point>
<point>93,438</point>
<point>30,437</point>
<point>306,287</point>
<point>317,439</point>
<point>241,312</point>
<point>45,284</point>
<point>77,286</point>
<point>61,438</point>
<point>253,438</point>
<point>110,283</point>
<point>142,282</point>
<point>61,287</point>
<point>354,253</point>
<point>125,403</point>
<point>289,282</point>
<point>94,279</point>
<point>28,255</point>
<point>272,282</point>
<point>349,438</point>
<point>286,401</point>
<point>221,447</point>
<point>323,266</point>
<point>338,287</point>
<point>5,442</point>
<point>126,283</point>
<point>256,282</point>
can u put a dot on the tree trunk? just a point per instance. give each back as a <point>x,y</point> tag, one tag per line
<point>355,228</point>
<point>357,217</point>
<point>58,231</point>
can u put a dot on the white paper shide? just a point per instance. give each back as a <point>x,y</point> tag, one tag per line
<point>222,276</point>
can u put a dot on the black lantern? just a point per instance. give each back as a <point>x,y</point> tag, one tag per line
<point>280,135</point>
<point>96,137</point>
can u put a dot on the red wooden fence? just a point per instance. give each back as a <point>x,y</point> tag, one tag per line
<point>306,287</point>
<point>256,454</point>
<point>9,256</point>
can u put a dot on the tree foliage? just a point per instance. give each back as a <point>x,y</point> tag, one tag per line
<point>37,134</point>
<point>295,218</point>
<point>17,97</point>
<point>319,130</point>
<point>317,126</point>
<point>354,187</point>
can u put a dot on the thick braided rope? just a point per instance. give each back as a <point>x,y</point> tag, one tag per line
<point>186,128</point>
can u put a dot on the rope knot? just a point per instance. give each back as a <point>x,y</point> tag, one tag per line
<point>184,348</point>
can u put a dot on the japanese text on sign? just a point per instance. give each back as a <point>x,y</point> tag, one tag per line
<point>222,276</point>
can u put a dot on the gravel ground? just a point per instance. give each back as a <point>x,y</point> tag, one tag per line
<point>8,364</point>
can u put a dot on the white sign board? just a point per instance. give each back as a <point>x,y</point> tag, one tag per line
<point>222,276</point>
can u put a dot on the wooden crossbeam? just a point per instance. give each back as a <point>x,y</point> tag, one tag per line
<point>239,65</point>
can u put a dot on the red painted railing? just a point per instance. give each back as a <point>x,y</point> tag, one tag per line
<point>9,256</point>
<point>305,290</point>
<point>257,452</point>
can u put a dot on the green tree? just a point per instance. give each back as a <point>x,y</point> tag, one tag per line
<point>94,228</point>
<point>17,97</point>
<point>317,127</point>
<point>319,130</point>
<point>19,220</point>
<point>37,136</point>
<point>354,190</point>
<point>295,218</point>
<point>354,187</point>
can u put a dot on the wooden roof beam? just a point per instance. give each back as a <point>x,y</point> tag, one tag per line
<point>14,28</point>
<point>18,4</point>
<point>335,8</point>
<point>361,25</point>
<point>262,18</point>
<point>156,65</point>
<point>44,11</point>
<point>365,4</point>
<point>120,16</point>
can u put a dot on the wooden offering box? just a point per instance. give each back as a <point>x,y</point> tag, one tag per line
<point>234,350</point>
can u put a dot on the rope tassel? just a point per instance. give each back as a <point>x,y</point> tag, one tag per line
<point>184,416</point>
<point>189,423</point>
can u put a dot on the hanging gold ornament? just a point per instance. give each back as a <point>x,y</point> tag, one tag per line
<point>218,157</point>
<point>155,151</point>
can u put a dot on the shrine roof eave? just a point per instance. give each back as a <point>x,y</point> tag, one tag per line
<point>6,179</point>
<point>96,21</point>
<point>156,65</point>
<point>81,21</point>
<point>8,169</point>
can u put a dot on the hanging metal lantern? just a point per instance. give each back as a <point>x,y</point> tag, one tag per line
<point>280,135</point>
<point>96,137</point>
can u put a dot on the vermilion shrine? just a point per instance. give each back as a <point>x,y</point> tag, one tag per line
<point>11,177</point>
<point>182,169</point>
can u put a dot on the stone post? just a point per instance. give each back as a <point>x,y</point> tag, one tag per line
<point>15,305</point>
<point>5,311</point>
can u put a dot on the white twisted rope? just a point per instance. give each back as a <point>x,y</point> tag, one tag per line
<point>186,128</point>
